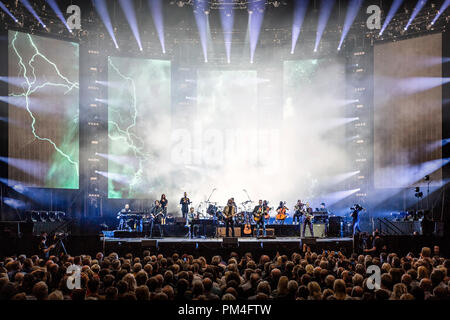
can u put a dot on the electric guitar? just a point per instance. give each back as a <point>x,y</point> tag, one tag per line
<point>229,215</point>
<point>308,214</point>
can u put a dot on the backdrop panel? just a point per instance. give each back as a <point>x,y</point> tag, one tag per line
<point>43,112</point>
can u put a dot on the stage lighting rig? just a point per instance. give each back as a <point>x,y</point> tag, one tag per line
<point>418,194</point>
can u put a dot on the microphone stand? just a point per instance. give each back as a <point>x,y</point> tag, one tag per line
<point>247,213</point>
<point>214,216</point>
<point>211,195</point>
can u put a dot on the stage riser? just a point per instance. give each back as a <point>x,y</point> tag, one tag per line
<point>180,230</point>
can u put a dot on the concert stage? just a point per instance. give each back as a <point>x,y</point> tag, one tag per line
<point>214,246</point>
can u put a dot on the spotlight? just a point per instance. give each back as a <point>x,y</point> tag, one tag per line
<point>60,216</point>
<point>52,216</point>
<point>32,216</point>
<point>418,193</point>
<point>426,178</point>
<point>43,216</point>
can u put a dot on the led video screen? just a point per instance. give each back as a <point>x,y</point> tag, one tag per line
<point>43,144</point>
<point>139,109</point>
<point>408,112</point>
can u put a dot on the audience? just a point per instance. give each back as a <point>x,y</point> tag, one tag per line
<point>306,276</point>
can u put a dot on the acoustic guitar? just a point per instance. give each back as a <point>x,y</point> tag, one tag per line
<point>247,227</point>
<point>262,212</point>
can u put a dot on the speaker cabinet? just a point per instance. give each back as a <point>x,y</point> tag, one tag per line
<point>231,241</point>
<point>318,228</point>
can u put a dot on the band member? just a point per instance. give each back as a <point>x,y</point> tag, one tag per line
<point>324,210</point>
<point>308,221</point>
<point>355,217</point>
<point>258,215</point>
<point>185,202</point>
<point>229,212</point>
<point>122,221</point>
<point>281,213</point>
<point>157,216</point>
<point>323,207</point>
<point>298,212</point>
<point>164,203</point>
<point>193,228</point>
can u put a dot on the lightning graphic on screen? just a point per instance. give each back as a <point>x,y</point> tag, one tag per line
<point>133,141</point>
<point>29,88</point>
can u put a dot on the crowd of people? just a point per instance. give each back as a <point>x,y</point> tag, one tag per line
<point>308,275</point>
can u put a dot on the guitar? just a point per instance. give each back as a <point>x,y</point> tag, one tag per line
<point>308,214</point>
<point>262,213</point>
<point>247,227</point>
<point>227,214</point>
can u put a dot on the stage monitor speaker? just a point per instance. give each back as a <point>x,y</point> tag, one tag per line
<point>233,241</point>
<point>222,232</point>
<point>149,243</point>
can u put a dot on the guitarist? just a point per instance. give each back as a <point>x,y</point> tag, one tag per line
<point>281,213</point>
<point>259,216</point>
<point>298,212</point>
<point>157,216</point>
<point>308,221</point>
<point>229,212</point>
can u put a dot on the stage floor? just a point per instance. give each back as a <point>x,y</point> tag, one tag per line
<point>220,240</point>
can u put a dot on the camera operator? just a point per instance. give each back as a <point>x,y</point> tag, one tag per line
<point>44,250</point>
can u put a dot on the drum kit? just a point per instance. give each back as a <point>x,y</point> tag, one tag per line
<point>211,211</point>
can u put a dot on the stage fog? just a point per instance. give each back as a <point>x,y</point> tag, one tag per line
<point>238,132</point>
